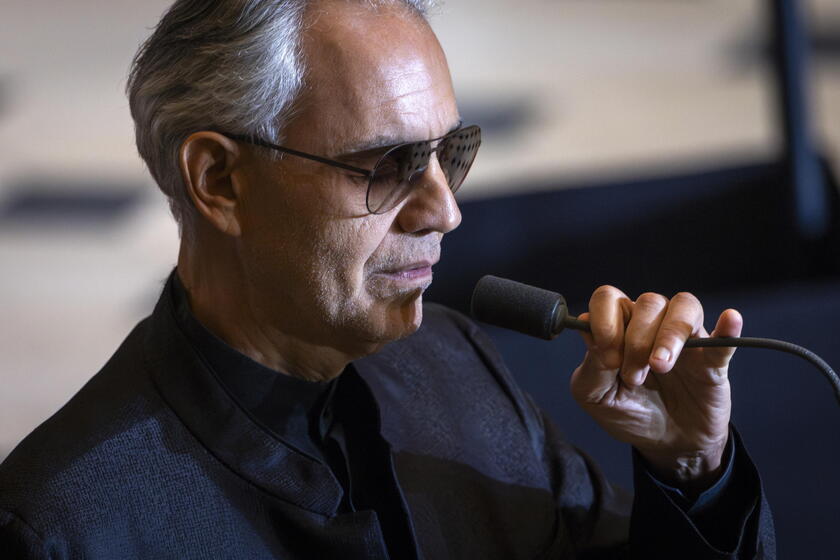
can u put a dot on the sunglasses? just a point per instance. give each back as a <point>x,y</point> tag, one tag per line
<point>399,169</point>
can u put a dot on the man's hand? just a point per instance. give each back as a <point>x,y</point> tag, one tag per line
<point>644,389</point>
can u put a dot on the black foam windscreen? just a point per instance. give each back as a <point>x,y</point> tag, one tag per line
<point>520,307</point>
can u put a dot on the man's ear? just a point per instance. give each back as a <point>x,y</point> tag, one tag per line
<point>208,162</point>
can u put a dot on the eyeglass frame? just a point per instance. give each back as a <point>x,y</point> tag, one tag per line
<point>368,173</point>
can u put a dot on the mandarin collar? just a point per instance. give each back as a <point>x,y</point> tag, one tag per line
<point>229,432</point>
<point>289,407</point>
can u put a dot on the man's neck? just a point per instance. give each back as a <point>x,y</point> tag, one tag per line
<point>221,299</point>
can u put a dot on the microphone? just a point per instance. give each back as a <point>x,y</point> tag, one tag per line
<point>523,308</point>
<point>544,314</point>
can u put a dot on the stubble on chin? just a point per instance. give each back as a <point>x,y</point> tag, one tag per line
<point>393,314</point>
<point>412,313</point>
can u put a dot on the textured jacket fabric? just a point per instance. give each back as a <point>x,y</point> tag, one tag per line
<point>154,459</point>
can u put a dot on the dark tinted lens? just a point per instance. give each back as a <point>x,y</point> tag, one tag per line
<point>457,153</point>
<point>391,178</point>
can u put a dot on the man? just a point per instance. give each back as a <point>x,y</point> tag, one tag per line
<point>284,401</point>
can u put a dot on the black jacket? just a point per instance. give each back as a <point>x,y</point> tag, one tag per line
<point>153,459</point>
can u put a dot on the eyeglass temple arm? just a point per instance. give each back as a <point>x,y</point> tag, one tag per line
<point>319,159</point>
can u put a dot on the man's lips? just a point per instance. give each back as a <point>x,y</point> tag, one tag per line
<point>419,269</point>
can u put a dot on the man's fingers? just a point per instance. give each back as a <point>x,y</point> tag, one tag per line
<point>609,311</point>
<point>729,323</point>
<point>587,338</point>
<point>683,319</point>
<point>648,313</point>
<point>633,338</point>
<point>593,359</point>
<point>592,380</point>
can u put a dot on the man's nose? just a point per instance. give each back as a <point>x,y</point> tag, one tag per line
<point>431,205</point>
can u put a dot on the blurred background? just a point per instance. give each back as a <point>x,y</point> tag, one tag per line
<point>649,144</point>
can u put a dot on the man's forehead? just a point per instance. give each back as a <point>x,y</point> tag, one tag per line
<point>375,79</point>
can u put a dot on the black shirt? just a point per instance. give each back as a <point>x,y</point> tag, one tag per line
<point>336,423</point>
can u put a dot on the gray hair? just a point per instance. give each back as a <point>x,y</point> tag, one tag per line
<point>225,65</point>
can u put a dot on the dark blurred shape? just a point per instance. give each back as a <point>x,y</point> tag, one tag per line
<point>498,117</point>
<point>49,203</point>
<point>823,43</point>
<point>807,194</point>
<point>713,230</point>
<point>5,93</point>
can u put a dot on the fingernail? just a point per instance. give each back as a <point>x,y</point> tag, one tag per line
<point>662,354</point>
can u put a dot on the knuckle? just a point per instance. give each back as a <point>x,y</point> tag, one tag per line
<point>690,307</point>
<point>606,291</point>
<point>652,301</point>
<point>686,298</point>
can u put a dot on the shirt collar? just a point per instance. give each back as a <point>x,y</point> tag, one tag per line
<point>288,407</point>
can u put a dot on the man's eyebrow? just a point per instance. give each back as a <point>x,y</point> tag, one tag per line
<point>370,145</point>
<point>380,143</point>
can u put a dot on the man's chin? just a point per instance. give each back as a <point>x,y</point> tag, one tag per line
<point>397,317</point>
<point>405,314</point>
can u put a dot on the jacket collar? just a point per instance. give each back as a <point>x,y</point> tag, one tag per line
<point>227,431</point>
